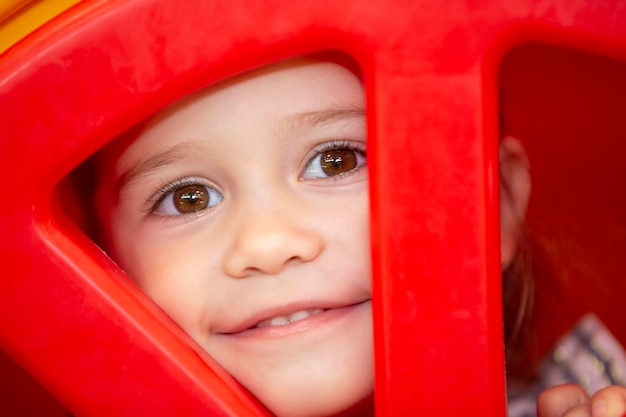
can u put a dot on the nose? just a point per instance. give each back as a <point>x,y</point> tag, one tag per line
<point>266,243</point>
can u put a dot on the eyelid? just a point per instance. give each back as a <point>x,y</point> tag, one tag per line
<point>169,186</point>
<point>358,146</point>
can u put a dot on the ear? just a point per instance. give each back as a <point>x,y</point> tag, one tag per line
<point>514,195</point>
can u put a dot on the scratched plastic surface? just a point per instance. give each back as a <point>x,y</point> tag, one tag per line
<point>70,318</point>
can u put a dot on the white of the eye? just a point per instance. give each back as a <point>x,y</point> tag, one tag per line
<point>314,168</point>
<point>168,208</point>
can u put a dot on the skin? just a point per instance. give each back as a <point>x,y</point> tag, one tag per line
<point>278,235</point>
<point>513,197</point>
<point>572,401</point>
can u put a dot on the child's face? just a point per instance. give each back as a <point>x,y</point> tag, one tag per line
<point>243,212</point>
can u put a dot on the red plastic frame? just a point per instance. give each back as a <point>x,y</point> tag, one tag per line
<point>71,319</point>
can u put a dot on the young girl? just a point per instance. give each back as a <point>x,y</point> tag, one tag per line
<point>242,211</point>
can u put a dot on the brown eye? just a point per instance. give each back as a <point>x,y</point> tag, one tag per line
<point>185,198</point>
<point>335,160</point>
<point>191,198</point>
<point>338,161</point>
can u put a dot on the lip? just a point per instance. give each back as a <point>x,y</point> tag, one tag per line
<point>332,313</point>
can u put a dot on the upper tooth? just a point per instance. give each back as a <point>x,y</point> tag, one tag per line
<point>284,320</point>
<point>276,321</point>
<point>299,315</point>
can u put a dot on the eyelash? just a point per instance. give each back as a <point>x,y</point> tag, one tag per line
<point>342,144</point>
<point>165,189</point>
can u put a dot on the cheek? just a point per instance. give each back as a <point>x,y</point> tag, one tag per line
<point>175,273</point>
<point>358,216</point>
<point>348,226</point>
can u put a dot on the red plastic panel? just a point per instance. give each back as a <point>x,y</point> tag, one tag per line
<point>70,318</point>
<point>20,395</point>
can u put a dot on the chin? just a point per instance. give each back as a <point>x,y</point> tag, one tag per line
<point>324,399</point>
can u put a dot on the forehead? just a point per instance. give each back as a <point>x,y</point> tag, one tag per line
<point>282,94</point>
<point>285,87</point>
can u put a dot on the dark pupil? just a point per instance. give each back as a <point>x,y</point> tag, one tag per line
<point>338,161</point>
<point>191,198</point>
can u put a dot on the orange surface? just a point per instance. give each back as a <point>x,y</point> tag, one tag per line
<point>18,18</point>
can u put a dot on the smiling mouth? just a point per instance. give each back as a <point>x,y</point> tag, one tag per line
<point>294,321</point>
<point>291,318</point>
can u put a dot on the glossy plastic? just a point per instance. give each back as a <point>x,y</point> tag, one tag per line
<point>74,321</point>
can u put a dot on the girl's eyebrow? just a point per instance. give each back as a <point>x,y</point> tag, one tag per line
<point>181,151</point>
<point>319,117</point>
<point>142,167</point>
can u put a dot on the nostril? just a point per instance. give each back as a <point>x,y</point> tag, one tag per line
<point>294,260</point>
<point>255,253</point>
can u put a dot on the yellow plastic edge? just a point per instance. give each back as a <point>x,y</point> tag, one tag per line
<point>18,18</point>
